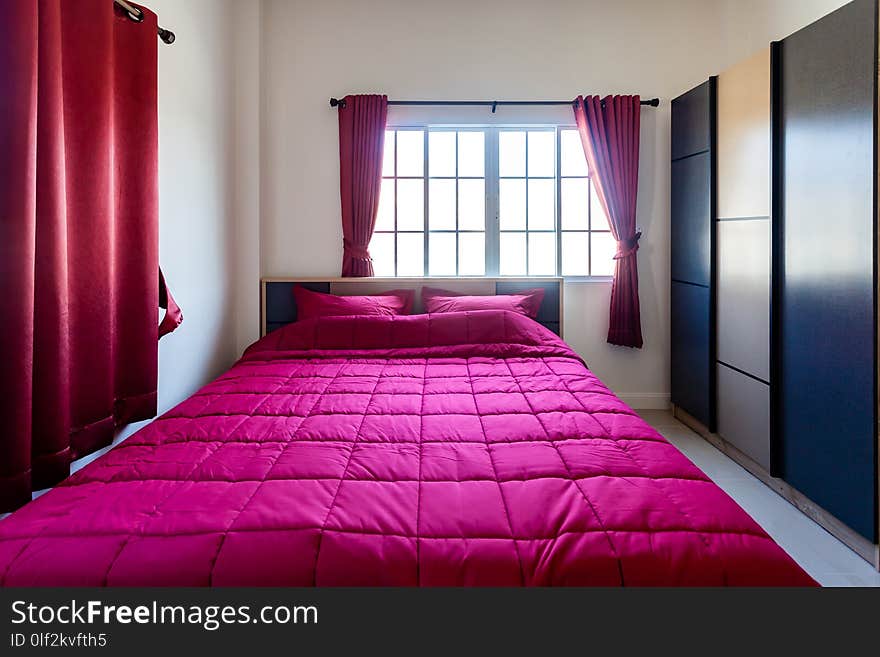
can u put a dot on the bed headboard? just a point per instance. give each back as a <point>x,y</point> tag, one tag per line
<point>278,307</point>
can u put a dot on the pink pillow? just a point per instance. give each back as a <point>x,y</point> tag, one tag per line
<point>317,304</point>
<point>527,302</point>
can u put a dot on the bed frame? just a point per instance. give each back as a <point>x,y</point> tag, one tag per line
<point>278,307</point>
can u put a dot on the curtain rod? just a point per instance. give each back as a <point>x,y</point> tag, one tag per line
<point>137,16</point>
<point>337,102</point>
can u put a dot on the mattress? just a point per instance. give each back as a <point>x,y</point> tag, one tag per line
<point>470,449</point>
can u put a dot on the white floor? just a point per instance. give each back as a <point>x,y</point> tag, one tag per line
<point>828,560</point>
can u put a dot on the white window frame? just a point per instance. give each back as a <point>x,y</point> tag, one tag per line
<point>492,186</point>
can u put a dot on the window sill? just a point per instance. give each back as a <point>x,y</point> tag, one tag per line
<point>442,277</point>
<point>587,279</point>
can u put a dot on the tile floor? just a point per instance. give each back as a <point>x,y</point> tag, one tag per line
<point>828,560</point>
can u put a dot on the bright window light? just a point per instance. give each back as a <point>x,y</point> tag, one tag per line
<point>499,201</point>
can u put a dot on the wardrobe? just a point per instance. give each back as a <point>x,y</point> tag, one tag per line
<point>774,268</point>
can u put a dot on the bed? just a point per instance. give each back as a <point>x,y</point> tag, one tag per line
<point>459,449</point>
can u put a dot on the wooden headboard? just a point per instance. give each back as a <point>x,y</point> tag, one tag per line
<point>278,307</point>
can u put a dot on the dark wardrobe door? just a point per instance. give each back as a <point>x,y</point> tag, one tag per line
<point>826,263</point>
<point>692,234</point>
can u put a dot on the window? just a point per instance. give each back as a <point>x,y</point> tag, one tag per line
<point>472,201</point>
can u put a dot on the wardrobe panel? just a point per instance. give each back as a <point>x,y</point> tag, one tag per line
<point>744,138</point>
<point>744,414</point>
<point>692,378</point>
<point>826,345</point>
<point>692,219</point>
<point>691,125</point>
<point>692,243</point>
<point>744,296</point>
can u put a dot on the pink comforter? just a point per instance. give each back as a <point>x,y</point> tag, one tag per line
<point>461,449</point>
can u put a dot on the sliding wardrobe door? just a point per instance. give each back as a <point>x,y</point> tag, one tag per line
<point>826,263</point>
<point>743,257</point>
<point>693,205</point>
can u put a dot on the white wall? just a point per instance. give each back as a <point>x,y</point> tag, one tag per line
<point>741,28</point>
<point>196,191</point>
<point>749,25</point>
<point>248,121</point>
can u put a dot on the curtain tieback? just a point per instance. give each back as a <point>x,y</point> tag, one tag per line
<point>356,251</point>
<point>628,247</point>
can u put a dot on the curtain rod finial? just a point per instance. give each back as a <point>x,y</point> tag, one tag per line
<point>336,102</point>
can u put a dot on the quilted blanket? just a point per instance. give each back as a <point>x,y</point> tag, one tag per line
<point>460,449</point>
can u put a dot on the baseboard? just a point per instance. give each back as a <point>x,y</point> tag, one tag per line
<point>867,550</point>
<point>654,401</point>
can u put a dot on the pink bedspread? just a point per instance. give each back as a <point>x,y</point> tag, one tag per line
<point>461,449</point>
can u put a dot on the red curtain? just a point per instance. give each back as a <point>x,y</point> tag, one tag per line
<point>78,234</point>
<point>609,130</point>
<point>173,314</point>
<point>361,142</point>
